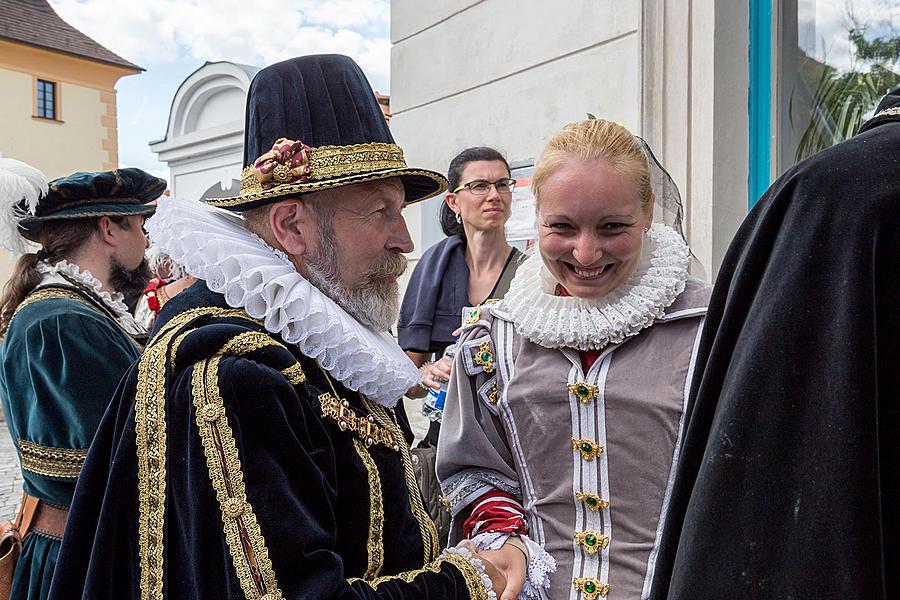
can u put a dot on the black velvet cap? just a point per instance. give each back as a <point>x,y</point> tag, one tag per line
<point>84,194</point>
<point>330,132</point>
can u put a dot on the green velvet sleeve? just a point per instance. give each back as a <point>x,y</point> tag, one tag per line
<point>60,369</point>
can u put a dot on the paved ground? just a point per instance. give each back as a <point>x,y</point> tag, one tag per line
<point>10,476</point>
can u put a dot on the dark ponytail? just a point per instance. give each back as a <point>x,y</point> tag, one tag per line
<point>59,239</point>
<point>454,173</point>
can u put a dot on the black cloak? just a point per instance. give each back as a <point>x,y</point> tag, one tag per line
<point>789,479</point>
<point>227,467</point>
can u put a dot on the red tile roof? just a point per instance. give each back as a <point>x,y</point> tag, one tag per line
<point>35,22</point>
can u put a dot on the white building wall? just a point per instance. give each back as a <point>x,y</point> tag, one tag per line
<point>204,143</point>
<point>489,73</point>
<point>509,73</point>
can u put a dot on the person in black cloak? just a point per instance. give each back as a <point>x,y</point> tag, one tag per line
<point>789,479</point>
<point>253,451</point>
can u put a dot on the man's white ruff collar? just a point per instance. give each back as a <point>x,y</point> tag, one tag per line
<point>53,275</point>
<point>552,321</point>
<point>213,245</point>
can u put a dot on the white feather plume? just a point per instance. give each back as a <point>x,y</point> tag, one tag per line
<point>18,181</point>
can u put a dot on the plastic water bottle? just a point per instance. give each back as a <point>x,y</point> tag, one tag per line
<point>433,404</point>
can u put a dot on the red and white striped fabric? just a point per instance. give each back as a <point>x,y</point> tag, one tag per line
<point>496,512</point>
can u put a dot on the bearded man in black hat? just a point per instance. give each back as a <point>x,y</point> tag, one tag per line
<point>254,452</point>
<point>789,478</point>
<point>67,335</point>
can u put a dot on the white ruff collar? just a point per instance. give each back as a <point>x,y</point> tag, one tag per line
<point>53,275</point>
<point>554,321</point>
<point>213,245</point>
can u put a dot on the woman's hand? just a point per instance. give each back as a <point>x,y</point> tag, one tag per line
<point>436,373</point>
<point>499,582</point>
<point>512,564</point>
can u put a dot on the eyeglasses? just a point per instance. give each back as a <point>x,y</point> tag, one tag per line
<point>480,187</point>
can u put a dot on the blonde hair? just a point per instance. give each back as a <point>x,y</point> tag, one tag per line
<point>595,139</point>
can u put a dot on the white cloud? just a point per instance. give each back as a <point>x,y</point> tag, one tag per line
<point>151,32</point>
<point>825,24</point>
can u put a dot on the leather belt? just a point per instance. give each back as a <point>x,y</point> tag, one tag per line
<point>42,518</point>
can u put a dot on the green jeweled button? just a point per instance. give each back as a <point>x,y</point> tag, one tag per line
<point>485,356</point>
<point>589,587</point>
<point>582,390</point>
<point>590,539</point>
<point>591,501</point>
<point>587,448</point>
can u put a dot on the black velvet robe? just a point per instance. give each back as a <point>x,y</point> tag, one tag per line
<point>789,480</point>
<point>265,495</point>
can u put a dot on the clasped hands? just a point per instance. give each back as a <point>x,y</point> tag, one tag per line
<point>506,567</point>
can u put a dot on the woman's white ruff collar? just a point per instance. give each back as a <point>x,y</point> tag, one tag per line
<point>213,245</point>
<point>552,321</point>
<point>113,301</point>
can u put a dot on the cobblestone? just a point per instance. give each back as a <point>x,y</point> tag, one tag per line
<point>10,476</point>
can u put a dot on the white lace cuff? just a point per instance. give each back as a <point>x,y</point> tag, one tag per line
<point>479,566</point>
<point>540,563</point>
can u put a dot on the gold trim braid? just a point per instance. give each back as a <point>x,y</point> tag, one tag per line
<point>375,545</point>
<point>150,434</point>
<point>329,162</point>
<point>472,577</point>
<point>52,462</point>
<point>52,294</point>
<point>251,341</point>
<point>427,528</point>
<point>150,439</point>
<point>249,553</point>
<point>248,342</point>
<point>893,111</point>
<point>294,374</point>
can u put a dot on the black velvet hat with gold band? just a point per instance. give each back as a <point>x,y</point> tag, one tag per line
<point>313,123</point>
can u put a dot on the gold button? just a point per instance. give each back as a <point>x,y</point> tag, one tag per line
<point>234,508</point>
<point>211,412</point>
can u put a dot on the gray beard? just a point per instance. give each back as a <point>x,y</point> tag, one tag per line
<point>376,301</point>
<point>376,306</point>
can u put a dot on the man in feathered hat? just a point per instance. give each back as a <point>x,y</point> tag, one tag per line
<point>68,336</point>
<point>254,451</point>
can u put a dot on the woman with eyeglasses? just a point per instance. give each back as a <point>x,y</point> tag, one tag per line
<point>473,264</point>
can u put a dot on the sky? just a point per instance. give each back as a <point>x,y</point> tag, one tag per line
<point>823,26</point>
<point>173,38</point>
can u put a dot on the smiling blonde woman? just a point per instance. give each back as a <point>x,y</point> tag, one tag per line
<point>566,401</point>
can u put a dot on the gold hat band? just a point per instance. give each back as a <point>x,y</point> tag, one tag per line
<point>332,162</point>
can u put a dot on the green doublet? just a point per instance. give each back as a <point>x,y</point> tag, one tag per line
<point>60,363</point>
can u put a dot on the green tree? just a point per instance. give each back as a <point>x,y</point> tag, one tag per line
<point>843,99</point>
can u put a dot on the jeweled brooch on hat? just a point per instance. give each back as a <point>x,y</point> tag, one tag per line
<point>287,162</point>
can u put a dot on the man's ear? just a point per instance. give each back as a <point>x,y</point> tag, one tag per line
<point>287,220</point>
<point>108,232</point>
